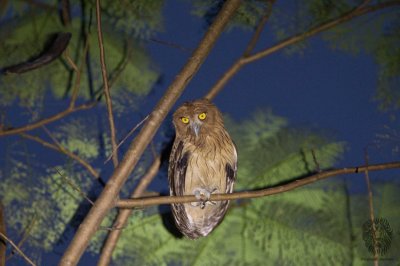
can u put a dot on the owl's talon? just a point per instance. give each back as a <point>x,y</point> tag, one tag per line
<point>202,194</point>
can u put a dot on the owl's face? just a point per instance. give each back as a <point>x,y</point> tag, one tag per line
<point>195,119</point>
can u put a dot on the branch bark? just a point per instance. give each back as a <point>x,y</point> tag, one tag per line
<point>20,252</point>
<point>124,214</point>
<point>244,60</point>
<point>145,202</point>
<point>107,198</point>
<point>106,87</point>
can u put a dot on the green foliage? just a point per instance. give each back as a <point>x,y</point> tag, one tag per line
<point>138,17</point>
<point>81,139</point>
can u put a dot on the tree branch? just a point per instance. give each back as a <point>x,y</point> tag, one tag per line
<point>3,246</point>
<point>63,150</point>
<point>68,111</point>
<point>371,207</point>
<point>145,202</point>
<point>25,235</point>
<point>124,214</point>
<point>78,72</point>
<point>107,198</point>
<point>237,65</point>
<point>244,60</point>
<point>5,238</point>
<point>106,87</point>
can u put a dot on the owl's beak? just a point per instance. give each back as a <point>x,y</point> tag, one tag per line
<point>196,128</point>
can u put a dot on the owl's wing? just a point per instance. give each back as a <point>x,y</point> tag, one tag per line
<point>177,169</point>
<point>231,170</point>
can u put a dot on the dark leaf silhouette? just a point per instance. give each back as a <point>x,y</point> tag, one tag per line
<point>58,44</point>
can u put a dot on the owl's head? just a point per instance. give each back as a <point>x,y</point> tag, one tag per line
<point>197,118</point>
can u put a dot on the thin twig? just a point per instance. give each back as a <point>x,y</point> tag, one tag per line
<point>3,246</point>
<point>5,238</point>
<point>356,12</point>
<point>145,202</point>
<point>171,44</point>
<point>371,207</point>
<point>75,187</point>
<point>78,72</point>
<point>63,150</point>
<point>107,198</point>
<point>26,234</point>
<point>127,136</point>
<point>106,88</point>
<point>260,27</point>
<point>314,156</point>
<point>56,117</point>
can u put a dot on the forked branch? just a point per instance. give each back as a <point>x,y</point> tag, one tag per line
<point>362,9</point>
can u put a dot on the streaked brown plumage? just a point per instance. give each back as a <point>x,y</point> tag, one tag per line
<point>203,161</point>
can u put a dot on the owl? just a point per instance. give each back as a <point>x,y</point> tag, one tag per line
<point>203,161</point>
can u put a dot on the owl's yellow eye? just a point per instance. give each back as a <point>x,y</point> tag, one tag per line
<point>202,116</point>
<point>185,120</point>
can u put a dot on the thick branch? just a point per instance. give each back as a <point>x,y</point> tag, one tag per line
<point>106,87</point>
<point>106,199</point>
<point>244,60</point>
<point>63,150</point>
<point>144,202</point>
<point>45,121</point>
<point>124,214</point>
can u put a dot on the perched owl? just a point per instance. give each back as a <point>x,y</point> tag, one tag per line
<point>203,161</point>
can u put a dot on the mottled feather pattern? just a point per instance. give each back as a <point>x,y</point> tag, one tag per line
<point>201,161</point>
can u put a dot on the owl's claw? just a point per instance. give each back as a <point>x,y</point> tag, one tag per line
<point>203,195</point>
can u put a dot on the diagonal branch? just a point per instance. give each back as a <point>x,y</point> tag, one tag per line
<point>124,214</point>
<point>250,47</point>
<point>244,60</point>
<point>63,150</point>
<point>48,120</point>
<point>5,238</point>
<point>107,198</point>
<point>3,246</point>
<point>144,202</point>
<point>106,87</point>
<point>27,231</point>
<point>260,27</point>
